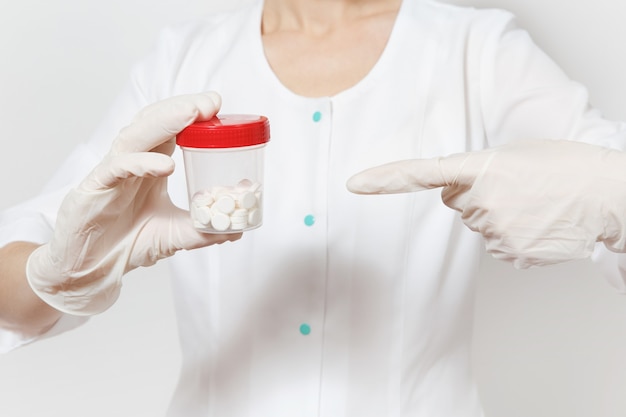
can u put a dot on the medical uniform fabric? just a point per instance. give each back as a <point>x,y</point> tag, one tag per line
<point>385,283</point>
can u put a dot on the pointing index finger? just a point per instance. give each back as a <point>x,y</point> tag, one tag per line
<point>419,174</point>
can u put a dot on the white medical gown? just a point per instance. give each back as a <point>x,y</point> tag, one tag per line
<point>383,285</point>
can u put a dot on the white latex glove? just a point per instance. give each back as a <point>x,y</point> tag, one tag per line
<point>120,217</point>
<point>535,202</point>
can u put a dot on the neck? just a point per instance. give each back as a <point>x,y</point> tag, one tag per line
<point>318,17</point>
<point>322,47</point>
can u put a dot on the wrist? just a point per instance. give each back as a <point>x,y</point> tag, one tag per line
<point>80,293</point>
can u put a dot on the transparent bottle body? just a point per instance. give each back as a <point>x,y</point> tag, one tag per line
<point>225,188</point>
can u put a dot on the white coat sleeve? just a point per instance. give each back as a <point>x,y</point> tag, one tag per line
<point>525,95</point>
<point>33,220</point>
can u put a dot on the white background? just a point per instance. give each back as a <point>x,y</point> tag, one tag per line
<point>549,342</point>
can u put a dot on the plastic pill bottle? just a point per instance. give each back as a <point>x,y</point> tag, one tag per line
<point>224,165</point>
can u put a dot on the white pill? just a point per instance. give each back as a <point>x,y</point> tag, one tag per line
<point>220,221</point>
<point>203,198</point>
<point>238,224</point>
<point>201,214</point>
<point>239,219</point>
<point>238,213</point>
<point>244,184</point>
<point>246,200</point>
<point>254,217</point>
<point>224,204</point>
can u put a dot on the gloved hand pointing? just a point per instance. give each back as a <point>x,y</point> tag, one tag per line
<point>535,202</point>
<point>120,217</point>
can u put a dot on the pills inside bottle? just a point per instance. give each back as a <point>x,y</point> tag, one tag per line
<point>224,163</point>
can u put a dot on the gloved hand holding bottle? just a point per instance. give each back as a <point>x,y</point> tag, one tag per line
<point>534,202</point>
<point>120,216</point>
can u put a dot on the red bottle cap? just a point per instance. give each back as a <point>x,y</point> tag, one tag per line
<point>226,131</point>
